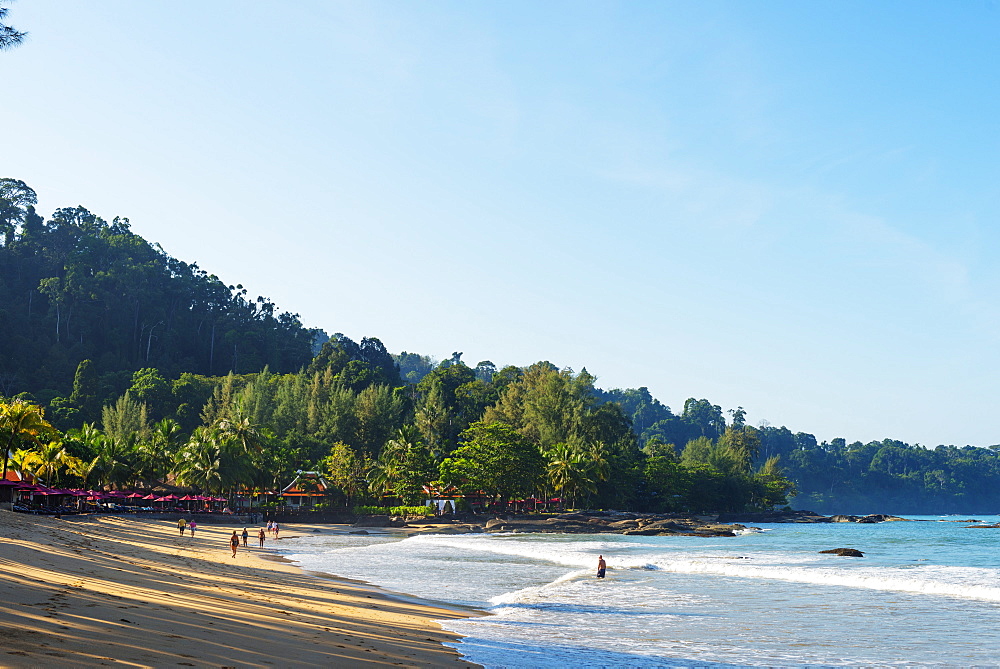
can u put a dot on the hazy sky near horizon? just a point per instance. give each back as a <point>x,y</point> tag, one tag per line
<point>790,207</point>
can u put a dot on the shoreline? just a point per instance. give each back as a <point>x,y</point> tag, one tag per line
<point>105,591</point>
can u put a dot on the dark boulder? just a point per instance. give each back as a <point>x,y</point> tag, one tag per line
<point>845,552</point>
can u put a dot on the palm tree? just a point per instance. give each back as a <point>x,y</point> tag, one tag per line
<point>157,454</point>
<point>404,466</point>
<point>115,461</point>
<point>199,463</point>
<point>47,461</point>
<point>22,424</point>
<point>572,468</point>
<point>239,430</point>
<point>242,448</point>
<point>18,458</point>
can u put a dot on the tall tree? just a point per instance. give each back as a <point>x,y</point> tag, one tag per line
<point>496,460</point>
<point>17,198</point>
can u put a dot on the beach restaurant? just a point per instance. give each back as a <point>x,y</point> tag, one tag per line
<point>25,493</point>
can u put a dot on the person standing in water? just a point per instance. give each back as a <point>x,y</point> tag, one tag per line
<point>246,535</point>
<point>601,566</point>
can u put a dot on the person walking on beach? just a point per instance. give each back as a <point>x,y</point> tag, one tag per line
<point>270,525</point>
<point>275,528</point>
<point>234,542</point>
<point>192,526</point>
<point>601,566</point>
<point>246,535</point>
<point>260,535</point>
<point>181,524</point>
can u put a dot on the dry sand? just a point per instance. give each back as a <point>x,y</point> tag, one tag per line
<point>101,591</point>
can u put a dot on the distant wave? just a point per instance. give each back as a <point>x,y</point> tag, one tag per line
<point>946,581</point>
<point>966,582</point>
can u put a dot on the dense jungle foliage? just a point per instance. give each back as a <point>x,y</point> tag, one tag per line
<point>122,366</point>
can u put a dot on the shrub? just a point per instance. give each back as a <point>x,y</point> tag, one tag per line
<point>412,511</point>
<point>371,510</point>
<point>393,510</point>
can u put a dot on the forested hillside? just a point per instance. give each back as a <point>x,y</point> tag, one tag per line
<point>76,287</point>
<point>138,369</point>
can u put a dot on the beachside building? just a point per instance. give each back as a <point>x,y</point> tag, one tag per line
<point>306,490</point>
<point>13,480</point>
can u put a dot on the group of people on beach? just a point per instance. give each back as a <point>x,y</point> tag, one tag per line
<point>244,537</point>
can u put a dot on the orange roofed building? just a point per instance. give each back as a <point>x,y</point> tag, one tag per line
<point>305,489</point>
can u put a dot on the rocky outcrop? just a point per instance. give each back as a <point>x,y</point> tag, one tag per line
<point>613,522</point>
<point>775,517</point>
<point>804,517</point>
<point>457,528</point>
<point>845,552</point>
<point>607,523</point>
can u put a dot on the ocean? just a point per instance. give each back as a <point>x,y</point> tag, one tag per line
<point>925,594</point>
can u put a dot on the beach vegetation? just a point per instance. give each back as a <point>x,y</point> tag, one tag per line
<point>125,367</point>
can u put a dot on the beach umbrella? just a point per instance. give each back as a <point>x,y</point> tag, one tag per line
<point>187,498</point>
<point>150,496</point>
<point>134,495</point>
<point>169,498</point>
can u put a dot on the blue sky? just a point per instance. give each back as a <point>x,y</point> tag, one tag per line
<point>786,206</point>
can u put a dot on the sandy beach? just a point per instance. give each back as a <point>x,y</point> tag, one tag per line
<point>103,591</point>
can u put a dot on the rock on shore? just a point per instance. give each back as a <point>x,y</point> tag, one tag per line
<point>804,517</point>
<point>615,522</point>
<point>596,522</point>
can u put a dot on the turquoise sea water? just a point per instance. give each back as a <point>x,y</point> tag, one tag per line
<point>925,594</point>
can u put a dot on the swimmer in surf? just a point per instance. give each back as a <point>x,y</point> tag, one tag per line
<point>601,566</point>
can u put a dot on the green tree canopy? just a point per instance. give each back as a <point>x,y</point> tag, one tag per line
<point>496,460</point>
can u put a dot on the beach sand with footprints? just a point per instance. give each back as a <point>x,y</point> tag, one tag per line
<point>105,591</point>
